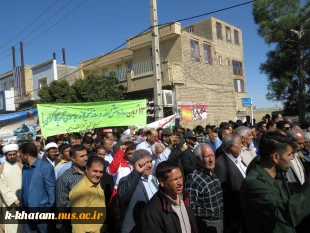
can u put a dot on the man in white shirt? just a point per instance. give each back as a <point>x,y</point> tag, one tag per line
<point>151,137</point>
<point>108,144</point>
<point>160,154</point>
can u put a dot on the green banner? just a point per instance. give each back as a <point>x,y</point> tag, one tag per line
<point>65,118</point>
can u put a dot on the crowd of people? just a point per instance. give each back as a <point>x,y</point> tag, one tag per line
<point>238,177</point>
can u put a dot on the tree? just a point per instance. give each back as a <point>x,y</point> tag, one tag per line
<point>286,25</point>
<point>90,89</point>
<point>98,88</point>
<point>57,92</point>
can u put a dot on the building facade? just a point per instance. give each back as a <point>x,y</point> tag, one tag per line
<point>201,64</point>
<point>46,72</point>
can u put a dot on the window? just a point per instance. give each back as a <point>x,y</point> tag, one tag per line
<point>207,53</point>
<point>220,60</point>
<point>239,85</point>
<point>190,29</point>
<point>228,36</point>
<point>236,35</point>
<point>237,67</point>
<point>105,71</point>
<point>42,82</point>
<point>195,50</point>
<point>227,62</point>
<point>129,65</point>
<point>151,52</point>
<point>219,31</point>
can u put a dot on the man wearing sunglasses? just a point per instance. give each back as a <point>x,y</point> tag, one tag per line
<point>283,126</point>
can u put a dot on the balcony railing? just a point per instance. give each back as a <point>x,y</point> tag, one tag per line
<point>121,74</point>
<point>142,69</point>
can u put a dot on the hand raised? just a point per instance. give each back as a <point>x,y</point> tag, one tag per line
<point>140,165</point>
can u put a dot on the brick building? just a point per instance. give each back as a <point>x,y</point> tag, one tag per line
<point>202,64</point>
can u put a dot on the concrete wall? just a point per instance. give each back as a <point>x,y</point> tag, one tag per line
<point>6,82</point>
<point>29,85</point>
<point>63,70</point>
<point>45,71</point>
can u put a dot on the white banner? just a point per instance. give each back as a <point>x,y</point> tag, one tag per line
<point>163,123</point>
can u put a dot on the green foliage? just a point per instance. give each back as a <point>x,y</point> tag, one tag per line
<point>90,89</point>
<point>286,25</point>
<point>98,88</point>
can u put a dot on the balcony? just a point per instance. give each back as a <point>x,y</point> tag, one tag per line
<point>142,69</point>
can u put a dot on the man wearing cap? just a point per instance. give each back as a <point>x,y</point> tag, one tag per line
<point>10,184</point>
<point>51,153</point>
<point>189,162</point>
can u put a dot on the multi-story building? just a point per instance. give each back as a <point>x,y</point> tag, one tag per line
<point>202,64</point>
<point>46,72</point>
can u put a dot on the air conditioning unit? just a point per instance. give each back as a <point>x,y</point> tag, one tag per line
<point>167,98</point>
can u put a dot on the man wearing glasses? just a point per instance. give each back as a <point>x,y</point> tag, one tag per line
<point>283,126</point>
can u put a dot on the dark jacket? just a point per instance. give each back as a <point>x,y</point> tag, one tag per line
<point>107,183</point>
<point>176,156</point>
<point>231,179</point>
<point>267,205</point>
<point>133,197</point>
<point>189,161</point>
<point>159,217</point>
<point>219,151</point>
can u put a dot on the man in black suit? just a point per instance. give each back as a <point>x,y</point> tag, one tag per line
<point>231,171</point>
<point>188,158</point>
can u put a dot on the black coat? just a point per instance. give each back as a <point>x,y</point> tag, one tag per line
<point>231,179</point>
<point>159,217</point>
<point>189,161</point>
<point>107,183</point>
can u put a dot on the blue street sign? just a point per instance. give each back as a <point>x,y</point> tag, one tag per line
<point>246,102</point>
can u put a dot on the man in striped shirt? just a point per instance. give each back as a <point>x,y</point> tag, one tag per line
<point>206,197</point>
<point>68,180</point>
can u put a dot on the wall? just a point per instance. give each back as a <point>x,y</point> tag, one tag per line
<point>29,81</point>
<point>6,82</point>
<point>42,72</point>
<point>208,83</point>
<point>63,70</point>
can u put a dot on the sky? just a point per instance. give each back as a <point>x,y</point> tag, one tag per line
<point>99,26</point>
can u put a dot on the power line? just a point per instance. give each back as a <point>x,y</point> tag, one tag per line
<point>29,25</point>
<point>48,28</point>
<point>43,23</point>
<point>57,22</point>
<point>97,59</point>
<point>223,9</point>
<point>208,13</point>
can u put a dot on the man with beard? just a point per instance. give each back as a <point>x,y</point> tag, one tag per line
<point>10,184</point>
<point>264,193</point>
<point>52,153</point>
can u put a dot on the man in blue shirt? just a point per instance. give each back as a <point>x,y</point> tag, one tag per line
<point>38,187</point>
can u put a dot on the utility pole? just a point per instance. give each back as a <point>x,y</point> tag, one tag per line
<point>159,113</point>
